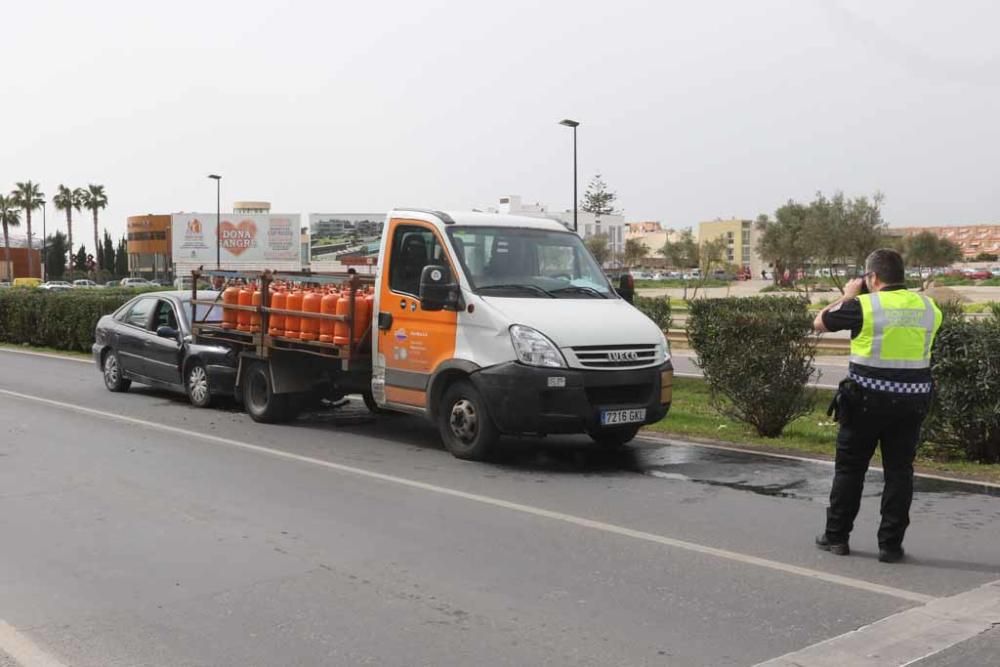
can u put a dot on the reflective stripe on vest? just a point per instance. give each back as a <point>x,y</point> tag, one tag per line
<point>897,330</point>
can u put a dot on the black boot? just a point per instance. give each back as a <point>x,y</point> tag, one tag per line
<point>837,548</point>
<point>890,554</point>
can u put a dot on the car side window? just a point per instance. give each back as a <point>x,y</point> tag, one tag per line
<point>165,316</point>
<point>138,314</point>
<point>413,248</point>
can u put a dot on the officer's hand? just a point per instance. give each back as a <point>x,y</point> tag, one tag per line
<point>853,288</point>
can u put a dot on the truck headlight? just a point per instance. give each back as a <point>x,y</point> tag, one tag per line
<point>664,346</point>
<point>534,348</point>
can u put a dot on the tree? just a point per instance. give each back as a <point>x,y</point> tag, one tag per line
<point>927,250</point>
<point>80,259</point>
<point>711,255</point>
<point>55,255</point>
<point>10,216</point>
<point>783,240</point>
<point>598,199</point>
<point>108,253</point>
<point>682,253</point>
<point>94,199</point>
<point>635,251</point>
<point>68,200</point>
<point>598,247</point>
<point>28,196</point>
<point>839,232</point>
<point>986,257</point>
<point>121,258</point>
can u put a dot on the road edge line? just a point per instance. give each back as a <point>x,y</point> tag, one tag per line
<point>47,355</point>
<point>765,563</point>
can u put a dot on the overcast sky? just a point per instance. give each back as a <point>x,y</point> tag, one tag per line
<point>691,110</point>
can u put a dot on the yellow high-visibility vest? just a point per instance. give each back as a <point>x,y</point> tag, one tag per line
<point>897,330</point>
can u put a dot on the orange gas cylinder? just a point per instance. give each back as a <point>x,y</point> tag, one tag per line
<point>243,316</point>
<point>312,302</point>
<point>341,332</point>
<point>328,307</point>
<point>230,297</point>
<point>362,313</point>
<point>255,317</point>
<point>292,323</point>
<point>277,325</point>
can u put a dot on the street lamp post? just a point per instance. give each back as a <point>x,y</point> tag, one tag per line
<point>45,246</point>
<point>574,124</point>
<point>218,219</point>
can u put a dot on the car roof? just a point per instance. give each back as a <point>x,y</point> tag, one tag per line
<point>479,219</point>
<point>180,295</point>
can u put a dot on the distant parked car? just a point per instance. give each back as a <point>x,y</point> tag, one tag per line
<point>5,284</point>
<point>56,285</point>
<point>995,271</point>
<point>27,282</point>
<point>83,283</point>
<point>136,282</point>
<point>148,340</point>
<point>113,283</point>
<point>981,274</point>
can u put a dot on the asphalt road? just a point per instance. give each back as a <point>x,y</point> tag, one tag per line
<point>829,371</point>
<point>136,530</point>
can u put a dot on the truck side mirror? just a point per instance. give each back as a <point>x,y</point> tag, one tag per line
<point>438,290</point>
<point>626,287</point>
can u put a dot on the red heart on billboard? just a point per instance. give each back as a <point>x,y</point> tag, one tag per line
<point>238,238</point>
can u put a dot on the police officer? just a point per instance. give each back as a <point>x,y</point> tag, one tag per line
<point>884,399</point>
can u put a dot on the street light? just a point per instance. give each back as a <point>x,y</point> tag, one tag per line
<point>574,124</point>
<point>218,219</point>
<point>45,247</point>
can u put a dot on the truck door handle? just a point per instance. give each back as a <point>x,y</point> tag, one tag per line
<point>384,320</point>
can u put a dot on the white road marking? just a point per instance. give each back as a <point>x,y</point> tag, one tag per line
<point>646,435</point>
<point>23,650</point>
<point>583,522</point>
<point>47,355</point>
<point>906,637</point>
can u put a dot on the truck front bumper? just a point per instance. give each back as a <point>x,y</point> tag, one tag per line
<point>528,399</point>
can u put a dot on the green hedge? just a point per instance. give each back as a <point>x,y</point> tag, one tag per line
<point>60,320</point>
<point>757,356</point>
<point>964,420</point>
<point>657,309</point>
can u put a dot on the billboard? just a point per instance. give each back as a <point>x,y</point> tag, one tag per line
<point>246,241</point>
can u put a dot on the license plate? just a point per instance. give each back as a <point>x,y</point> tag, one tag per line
<point>610,417</point>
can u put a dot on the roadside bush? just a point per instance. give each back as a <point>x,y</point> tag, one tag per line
<point>964,419</point>
<point>757,357</point>
<point>61,320</point>
<point>657,309</point>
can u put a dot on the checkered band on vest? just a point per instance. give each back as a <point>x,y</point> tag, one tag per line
<point>890,386</point>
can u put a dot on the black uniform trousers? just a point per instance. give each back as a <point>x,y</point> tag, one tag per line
<point>876,418</point>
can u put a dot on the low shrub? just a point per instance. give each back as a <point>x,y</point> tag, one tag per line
<point>657,309</point>
<point>757,356</point>
<point>964,418</point>
<point>60,320</point>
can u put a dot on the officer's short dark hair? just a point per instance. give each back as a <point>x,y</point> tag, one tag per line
<point>887,264</point>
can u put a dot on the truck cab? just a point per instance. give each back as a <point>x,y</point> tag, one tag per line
<point>492,324</point>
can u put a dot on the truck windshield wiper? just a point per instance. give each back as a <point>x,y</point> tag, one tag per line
<point>580,289</point>
<point>518,286</point>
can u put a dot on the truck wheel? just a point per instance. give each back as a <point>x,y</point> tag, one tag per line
<point>114,380</point>
<point>261,403</point>
<point>196,383</point>
<point>614,437</point>
<point>465,424</point>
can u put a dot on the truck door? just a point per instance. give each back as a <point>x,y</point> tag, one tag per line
<point>412,341</point>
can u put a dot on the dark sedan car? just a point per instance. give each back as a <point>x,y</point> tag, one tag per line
<point>148,340</point>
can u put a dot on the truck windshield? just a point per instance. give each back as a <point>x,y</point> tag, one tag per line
<point>528,263</point>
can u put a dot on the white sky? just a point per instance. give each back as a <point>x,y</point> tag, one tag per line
<point>691,110</point>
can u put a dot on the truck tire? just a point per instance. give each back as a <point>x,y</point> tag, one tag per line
<point>261,403</point>
<point>614,437</point>
<point>466,428</point>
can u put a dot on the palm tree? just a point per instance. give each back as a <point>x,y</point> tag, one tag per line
<point>28,195</point>
<point>10,216</point>
<point>67,200</point>
<point>94,200</point>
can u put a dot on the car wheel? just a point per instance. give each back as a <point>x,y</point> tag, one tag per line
<point>259,399</point>
<point>465,424</point>
<point>614,437</point>
<point>196,383</point>
<point>114,380</point>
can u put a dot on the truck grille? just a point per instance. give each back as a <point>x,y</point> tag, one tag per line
<point>615,356</point>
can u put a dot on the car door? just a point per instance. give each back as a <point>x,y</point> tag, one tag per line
<point>412,340</point>
<point>163,354</point>
<point>132,336</point>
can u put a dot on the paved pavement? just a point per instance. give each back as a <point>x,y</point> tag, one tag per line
<point>137,530</point>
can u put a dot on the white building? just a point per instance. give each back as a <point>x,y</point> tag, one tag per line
<point>588,224</point>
